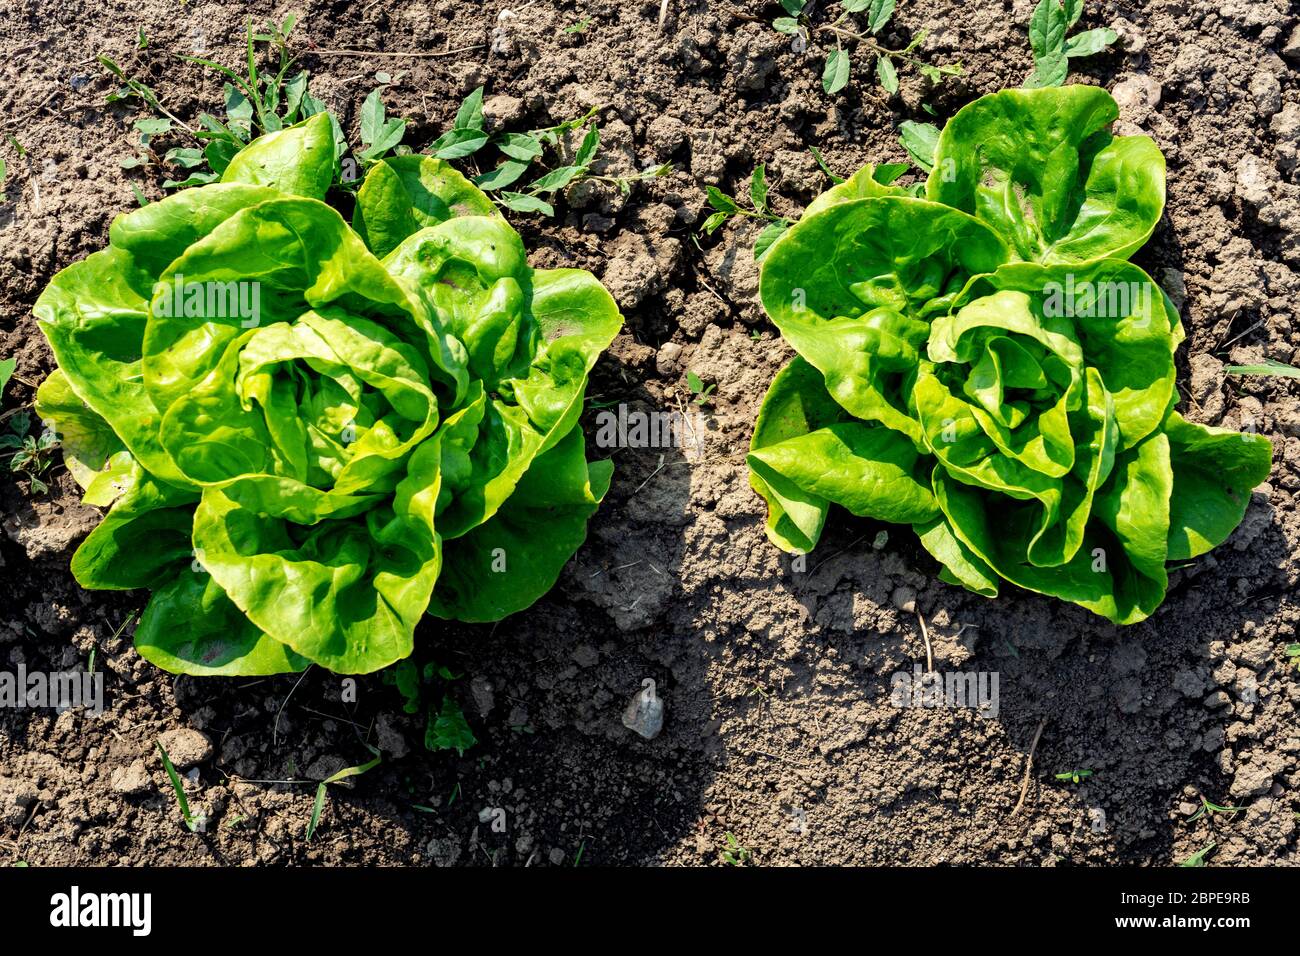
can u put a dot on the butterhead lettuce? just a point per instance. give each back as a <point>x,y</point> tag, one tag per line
<point>983,363</point>
<point>310,432</point>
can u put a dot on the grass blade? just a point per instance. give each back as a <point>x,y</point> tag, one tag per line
<point>181,799</point>
<point>343,774</point>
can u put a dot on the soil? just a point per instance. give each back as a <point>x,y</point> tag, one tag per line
<point>779,728</point>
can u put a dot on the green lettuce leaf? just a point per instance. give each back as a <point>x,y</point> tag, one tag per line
<point>1042,168</point>
<point>299,160</point>
<point>985,366</point>
<point>292,431</point>
<point>403,194</point>
<point>854,288</point>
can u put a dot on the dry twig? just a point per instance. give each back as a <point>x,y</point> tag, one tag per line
<point>1029,766</point>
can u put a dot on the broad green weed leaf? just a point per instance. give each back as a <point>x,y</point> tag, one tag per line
<point>1089,42</point>
<point>836,74</point>
<point>458,143</point>
<point>886,73</point>
<point>470,113</point>
<point>1047,29</point>
<point>881,11</point>
<point>920,140</point>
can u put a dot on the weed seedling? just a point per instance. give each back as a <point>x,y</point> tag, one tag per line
<point>343,774</point>
<point>380,133</point>
<point>445,727</point>
<point>32,455</point>
<point>851,36</point>
<point>1198,858</point>
<point>733,853</point>
<point>1267,367</point>
<point>1212,808</point>
<point>193,822</point>
<point>521,151</point>
<point>725,208</point>
<point>1074,776</point>
<point>448,729</point>
<point>256,102</point>
<point>1048,26</point>
<point>701,393</point>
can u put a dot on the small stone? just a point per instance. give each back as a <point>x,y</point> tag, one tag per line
<point>1291,49</point>
<point>480,688</point>
<point>391,740</point>
<point>667,358</point>
<point>1266,91</point>
<point>131,780</point>
<point>904,598</point>
<point>186,747</point>
<point>645,712</point>
<point>556,857</point>
<point>1136,96</point>
<point>1129,37</point>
